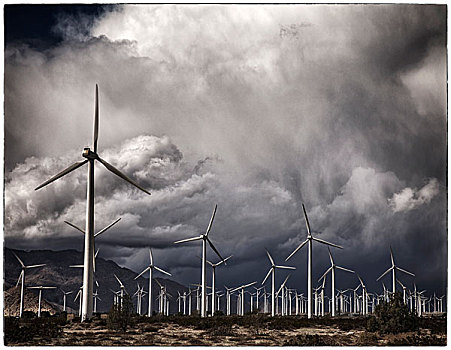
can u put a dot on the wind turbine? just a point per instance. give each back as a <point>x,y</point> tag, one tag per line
<point>150,268</point>
<point>91,157</point>
<point>40,296</point>
<point>393,268</point>
<point>65,294</point>
<point>242,294</point>
<point>22,280</point>
<point>213,281</point>
<point>205,239</point>
<point>122,289</point>
<point>310,240</point>
<point>281,289</point>
<point>96,297</point>
<point>403,290</point>
<point>273,270</point>
<point>332,270</point>
<point>364,297</point>
<point>257,292</point>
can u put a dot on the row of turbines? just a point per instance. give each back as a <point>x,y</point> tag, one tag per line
<point>305,304</point>
<point>292,302</point>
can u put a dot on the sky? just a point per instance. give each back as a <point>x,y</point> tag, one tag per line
<point>255,108</point>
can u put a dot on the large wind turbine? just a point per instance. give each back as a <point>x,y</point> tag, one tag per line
<point>273,270</point>
<point>393,268</point>
<point>205,239</point>
<point>150,268</point>
<point>213,282</point>
<point>332,270</point>
<point>22,280</point>
<point>309,240</point>
<point>91,157</point>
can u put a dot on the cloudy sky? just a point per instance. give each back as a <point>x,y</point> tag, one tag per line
<point>256,108</point>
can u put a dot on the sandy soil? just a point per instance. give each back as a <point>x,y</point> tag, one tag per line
<point>167,333</point>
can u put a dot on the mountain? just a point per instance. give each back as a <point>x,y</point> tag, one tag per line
<point>58,273</point>
<point>31,302</point>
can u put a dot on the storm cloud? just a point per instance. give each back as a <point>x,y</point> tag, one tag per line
<point>345,112</point>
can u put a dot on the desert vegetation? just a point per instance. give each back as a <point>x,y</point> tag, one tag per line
<point>120,327</point>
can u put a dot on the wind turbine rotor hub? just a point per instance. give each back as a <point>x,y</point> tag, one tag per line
<point>87,153</point>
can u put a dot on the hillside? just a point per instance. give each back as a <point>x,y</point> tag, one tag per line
<point>58,273</point>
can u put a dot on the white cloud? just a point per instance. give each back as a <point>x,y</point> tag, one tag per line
<point>412,198</point>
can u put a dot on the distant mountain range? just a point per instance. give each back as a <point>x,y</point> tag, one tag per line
<point>58,273</point>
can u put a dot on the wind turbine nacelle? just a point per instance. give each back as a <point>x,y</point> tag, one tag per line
<point>87,153</point>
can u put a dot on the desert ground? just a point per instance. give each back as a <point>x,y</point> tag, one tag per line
<point>250,330</point>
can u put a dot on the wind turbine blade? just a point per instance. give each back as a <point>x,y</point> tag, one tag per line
<point>344,269</point>
<point>385,273</point>
<point>283,284</point>
<point>402,270</point>
<point>106,228</point>
<point>62,173</point>
<point>48,287</point>
<point>391,257</point>
<point>270,257</point>
<point>161,270</point>
<point>285,267</point>
<point>361,282</point>
<point>224,261</point>
<point>189,239</point>
<point>306,219</point>
<point>211,220</point>
<point>74,226</point>
<point>324,282</point>
<point>20,276</point>
<point>330,256</point>
<point>328,243</point>
<point>118,280</point>
<point>325,273</point>
<point>213,247</point>
<point>249,284</point>
<point>158,283</point>
<point>96,120</point>
<point>77,266</point>
<point>150,256</point>
<point>120,174</point>
<point>299,247</point>
<point>397,280</point>
<point>78,294</point>
<point>267,275</point>
<point>32,266</point>
<point>20,261</point>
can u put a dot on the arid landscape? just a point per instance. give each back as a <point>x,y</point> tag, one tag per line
<point>259,330</point>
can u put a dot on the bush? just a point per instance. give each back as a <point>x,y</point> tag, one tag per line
<point>18,331</point>
<point>120,317</point>
<point>393,317</point>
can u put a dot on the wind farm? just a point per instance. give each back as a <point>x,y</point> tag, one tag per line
<point>261,197</point>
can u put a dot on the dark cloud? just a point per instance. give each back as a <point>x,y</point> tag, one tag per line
<point>210,104</point>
